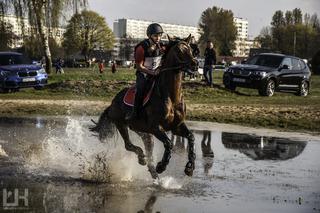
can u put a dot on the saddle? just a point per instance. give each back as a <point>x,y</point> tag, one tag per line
<point>128,98</point>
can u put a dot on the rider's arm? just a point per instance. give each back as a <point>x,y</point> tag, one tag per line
<point>139,58</point>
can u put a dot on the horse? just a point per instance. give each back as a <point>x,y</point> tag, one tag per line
<point>165,111</point>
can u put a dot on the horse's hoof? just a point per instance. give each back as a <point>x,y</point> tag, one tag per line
<point>153,172</point>
<point>189,169</point>
<point>160,168</point>
<point>142,161</point>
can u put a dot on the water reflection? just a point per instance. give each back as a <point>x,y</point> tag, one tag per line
<point>149,204</point>
<point>263,148</point>
<point>48,157</point>
<point>206,144</point>
<point>179,144</point>
<point>206,149</point>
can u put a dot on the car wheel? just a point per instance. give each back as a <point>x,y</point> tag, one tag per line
<point>269,88</point>
<point>303,89</point>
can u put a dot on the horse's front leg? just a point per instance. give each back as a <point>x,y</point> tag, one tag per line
<point>182,130</point>
<point>162,136</point>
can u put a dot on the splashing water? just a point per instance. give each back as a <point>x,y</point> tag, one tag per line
<point>169,182</point>
<point>70,152</point>
<point>2,152</point>
<point>73,152</point>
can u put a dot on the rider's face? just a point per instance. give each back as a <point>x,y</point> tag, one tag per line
<point>156,37</point>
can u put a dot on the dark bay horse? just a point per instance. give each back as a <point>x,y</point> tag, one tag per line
<point>164,112</point>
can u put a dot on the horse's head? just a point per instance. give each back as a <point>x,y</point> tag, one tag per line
<point>179,52</point>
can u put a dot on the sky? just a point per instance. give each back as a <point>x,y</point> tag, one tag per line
<point>188,12</point>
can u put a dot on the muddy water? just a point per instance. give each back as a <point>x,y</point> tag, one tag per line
<point>57,165</point>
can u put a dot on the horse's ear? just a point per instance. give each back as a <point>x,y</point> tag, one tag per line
<point>188,39</point>
<point>169,38</point>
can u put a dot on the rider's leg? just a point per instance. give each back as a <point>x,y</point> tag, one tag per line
<point>140,85</point>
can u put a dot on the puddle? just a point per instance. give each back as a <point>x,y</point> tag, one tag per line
<point>54,164</point>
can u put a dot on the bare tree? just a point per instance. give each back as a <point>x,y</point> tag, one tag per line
<point>42,15</point>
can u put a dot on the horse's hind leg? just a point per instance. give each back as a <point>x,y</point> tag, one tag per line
<point>123,129</point>
<point>183,131</point>
<point>149,144</point>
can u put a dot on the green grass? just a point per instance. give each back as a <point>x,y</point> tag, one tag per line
<point>78,84</point>
<point>283,110</point>
<point>88,84</point>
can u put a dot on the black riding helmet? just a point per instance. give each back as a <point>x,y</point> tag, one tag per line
<point>154,28</point>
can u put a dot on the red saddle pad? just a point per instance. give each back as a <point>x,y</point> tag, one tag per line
<point>128,98</point>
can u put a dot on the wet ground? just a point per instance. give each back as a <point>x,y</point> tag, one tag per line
<point>56,165</point>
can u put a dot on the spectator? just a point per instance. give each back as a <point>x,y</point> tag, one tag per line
<point>113,67</point>
<point>209,62</point>
<point>43,62</point>
<point>59,64</point>
<point>101,66</point>
<point>89,63</point>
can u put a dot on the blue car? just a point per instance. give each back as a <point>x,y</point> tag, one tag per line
<point>16,72</point>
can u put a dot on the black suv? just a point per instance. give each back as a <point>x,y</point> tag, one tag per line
<point>270,72</point>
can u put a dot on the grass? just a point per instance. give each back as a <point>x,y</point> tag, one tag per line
<point>283,110</point>
<point>78,84</point>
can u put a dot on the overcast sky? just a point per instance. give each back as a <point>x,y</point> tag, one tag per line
<point>188,12</point>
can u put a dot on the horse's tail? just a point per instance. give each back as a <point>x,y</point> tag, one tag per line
<point>105,127</point>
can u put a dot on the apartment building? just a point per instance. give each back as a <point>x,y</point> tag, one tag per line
<point>19,31</point>
<point>243,44</point>
<point>136,30</point>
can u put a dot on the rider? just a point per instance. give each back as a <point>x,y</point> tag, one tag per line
<point>147,58</point>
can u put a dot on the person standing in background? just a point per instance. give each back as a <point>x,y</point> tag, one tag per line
<point>209,62</point>
<point>101,66</point>
<point>113,67</point>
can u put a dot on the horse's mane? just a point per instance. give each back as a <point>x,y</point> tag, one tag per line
<point>169,45</point>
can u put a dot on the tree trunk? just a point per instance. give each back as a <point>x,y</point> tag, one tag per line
<point>44,34</point>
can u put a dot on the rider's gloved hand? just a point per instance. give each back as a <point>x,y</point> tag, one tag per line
<point>157,72</point>
<point>154,72</point>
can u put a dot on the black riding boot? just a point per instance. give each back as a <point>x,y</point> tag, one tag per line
<point>140,88</point>
<point>135,109</point>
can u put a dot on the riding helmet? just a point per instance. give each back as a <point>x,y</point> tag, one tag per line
<point>154,28</point>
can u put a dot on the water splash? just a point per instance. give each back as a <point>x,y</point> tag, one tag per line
<point>3,152</point>
<point>71,152</point>
<point>169,182</point>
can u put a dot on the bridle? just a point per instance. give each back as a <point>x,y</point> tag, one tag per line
<point>185,66</point>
